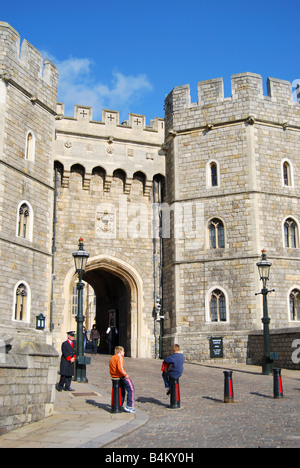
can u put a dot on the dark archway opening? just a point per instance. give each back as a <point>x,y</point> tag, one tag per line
<point>112,304</point>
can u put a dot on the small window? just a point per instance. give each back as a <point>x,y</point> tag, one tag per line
<point>30,146</point>
<point>295,305</point>
<point>21,302</point>
<point>290,233</point>
<point>216,234</point>
<point>218,306</point>
<point>24,221</point>
<point>287,174</point>
<point>214,174</point>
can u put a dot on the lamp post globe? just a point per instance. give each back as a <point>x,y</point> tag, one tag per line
<point>264,267</point>
<point>80,259</point>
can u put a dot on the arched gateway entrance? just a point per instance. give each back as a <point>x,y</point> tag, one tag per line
<point>118,297</point>
<point>111,308</point>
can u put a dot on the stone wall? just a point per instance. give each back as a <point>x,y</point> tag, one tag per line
<point>28,376</point>
<point>196,346</point>
<point>285,342</point>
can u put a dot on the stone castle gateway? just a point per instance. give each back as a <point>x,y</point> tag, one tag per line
<point>174,213</point>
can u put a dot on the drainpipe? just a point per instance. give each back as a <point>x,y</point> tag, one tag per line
<point>53,249</point>
<point>157,268</point>
<point>162,319</point>
<point>154,314</point>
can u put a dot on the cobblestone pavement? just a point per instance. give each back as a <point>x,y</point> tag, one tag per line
<point>255,419</point>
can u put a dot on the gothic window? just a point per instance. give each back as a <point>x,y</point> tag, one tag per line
<point>218,306</point>
<point>290,233</point>
<point>295,305</point>
<point>214,174</point>
<point>24,221</point>
<point>287,174</point>
<point>216,234</point>
<point>20,308</point>
<point>30,146</point>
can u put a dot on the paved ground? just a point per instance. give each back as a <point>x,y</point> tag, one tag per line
<point>254,420</point>
<point>83,419</point>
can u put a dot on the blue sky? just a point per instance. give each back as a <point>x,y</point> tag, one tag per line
<point>128,55</point>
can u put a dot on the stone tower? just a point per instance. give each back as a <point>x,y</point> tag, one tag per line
<point>28,91</point>
<point>232,170</point>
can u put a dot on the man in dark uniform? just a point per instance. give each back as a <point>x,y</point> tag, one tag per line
<point>112,335</point>
<point>67,367</point>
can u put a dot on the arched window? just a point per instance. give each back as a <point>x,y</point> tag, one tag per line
<point>287,174</point>
<point>30,146</point>
<point>216,234</point>
<point>212,174</point>
<point>294,300</point>
<point>217,305</point>
<point>24,221</point>
<point>291,233</point>
<point>21,303</point>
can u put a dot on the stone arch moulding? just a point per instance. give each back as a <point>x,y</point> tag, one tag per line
<point>140,347</point>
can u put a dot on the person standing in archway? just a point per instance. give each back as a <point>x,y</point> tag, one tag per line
<point>95,338</point>
<point>112,334</point>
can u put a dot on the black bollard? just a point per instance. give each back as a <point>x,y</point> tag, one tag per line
<point>174,393</point>
<point>278,390</point>
<point>228,388</point>
<point>116,396</point>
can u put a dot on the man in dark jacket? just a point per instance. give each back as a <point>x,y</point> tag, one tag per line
<point>67,366</point>
<point>174,366</point>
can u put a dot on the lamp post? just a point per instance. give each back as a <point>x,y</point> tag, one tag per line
<point>80,259</point>
<point>264,266</point>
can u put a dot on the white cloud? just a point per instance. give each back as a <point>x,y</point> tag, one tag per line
<point>77,85</point>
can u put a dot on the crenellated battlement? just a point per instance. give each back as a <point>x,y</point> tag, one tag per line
<point>133,129</point>
<point>243,85</point>
<point>23,66</point>
<point>247,99</point>
<point>108,146</point>
<point>110,117</point>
